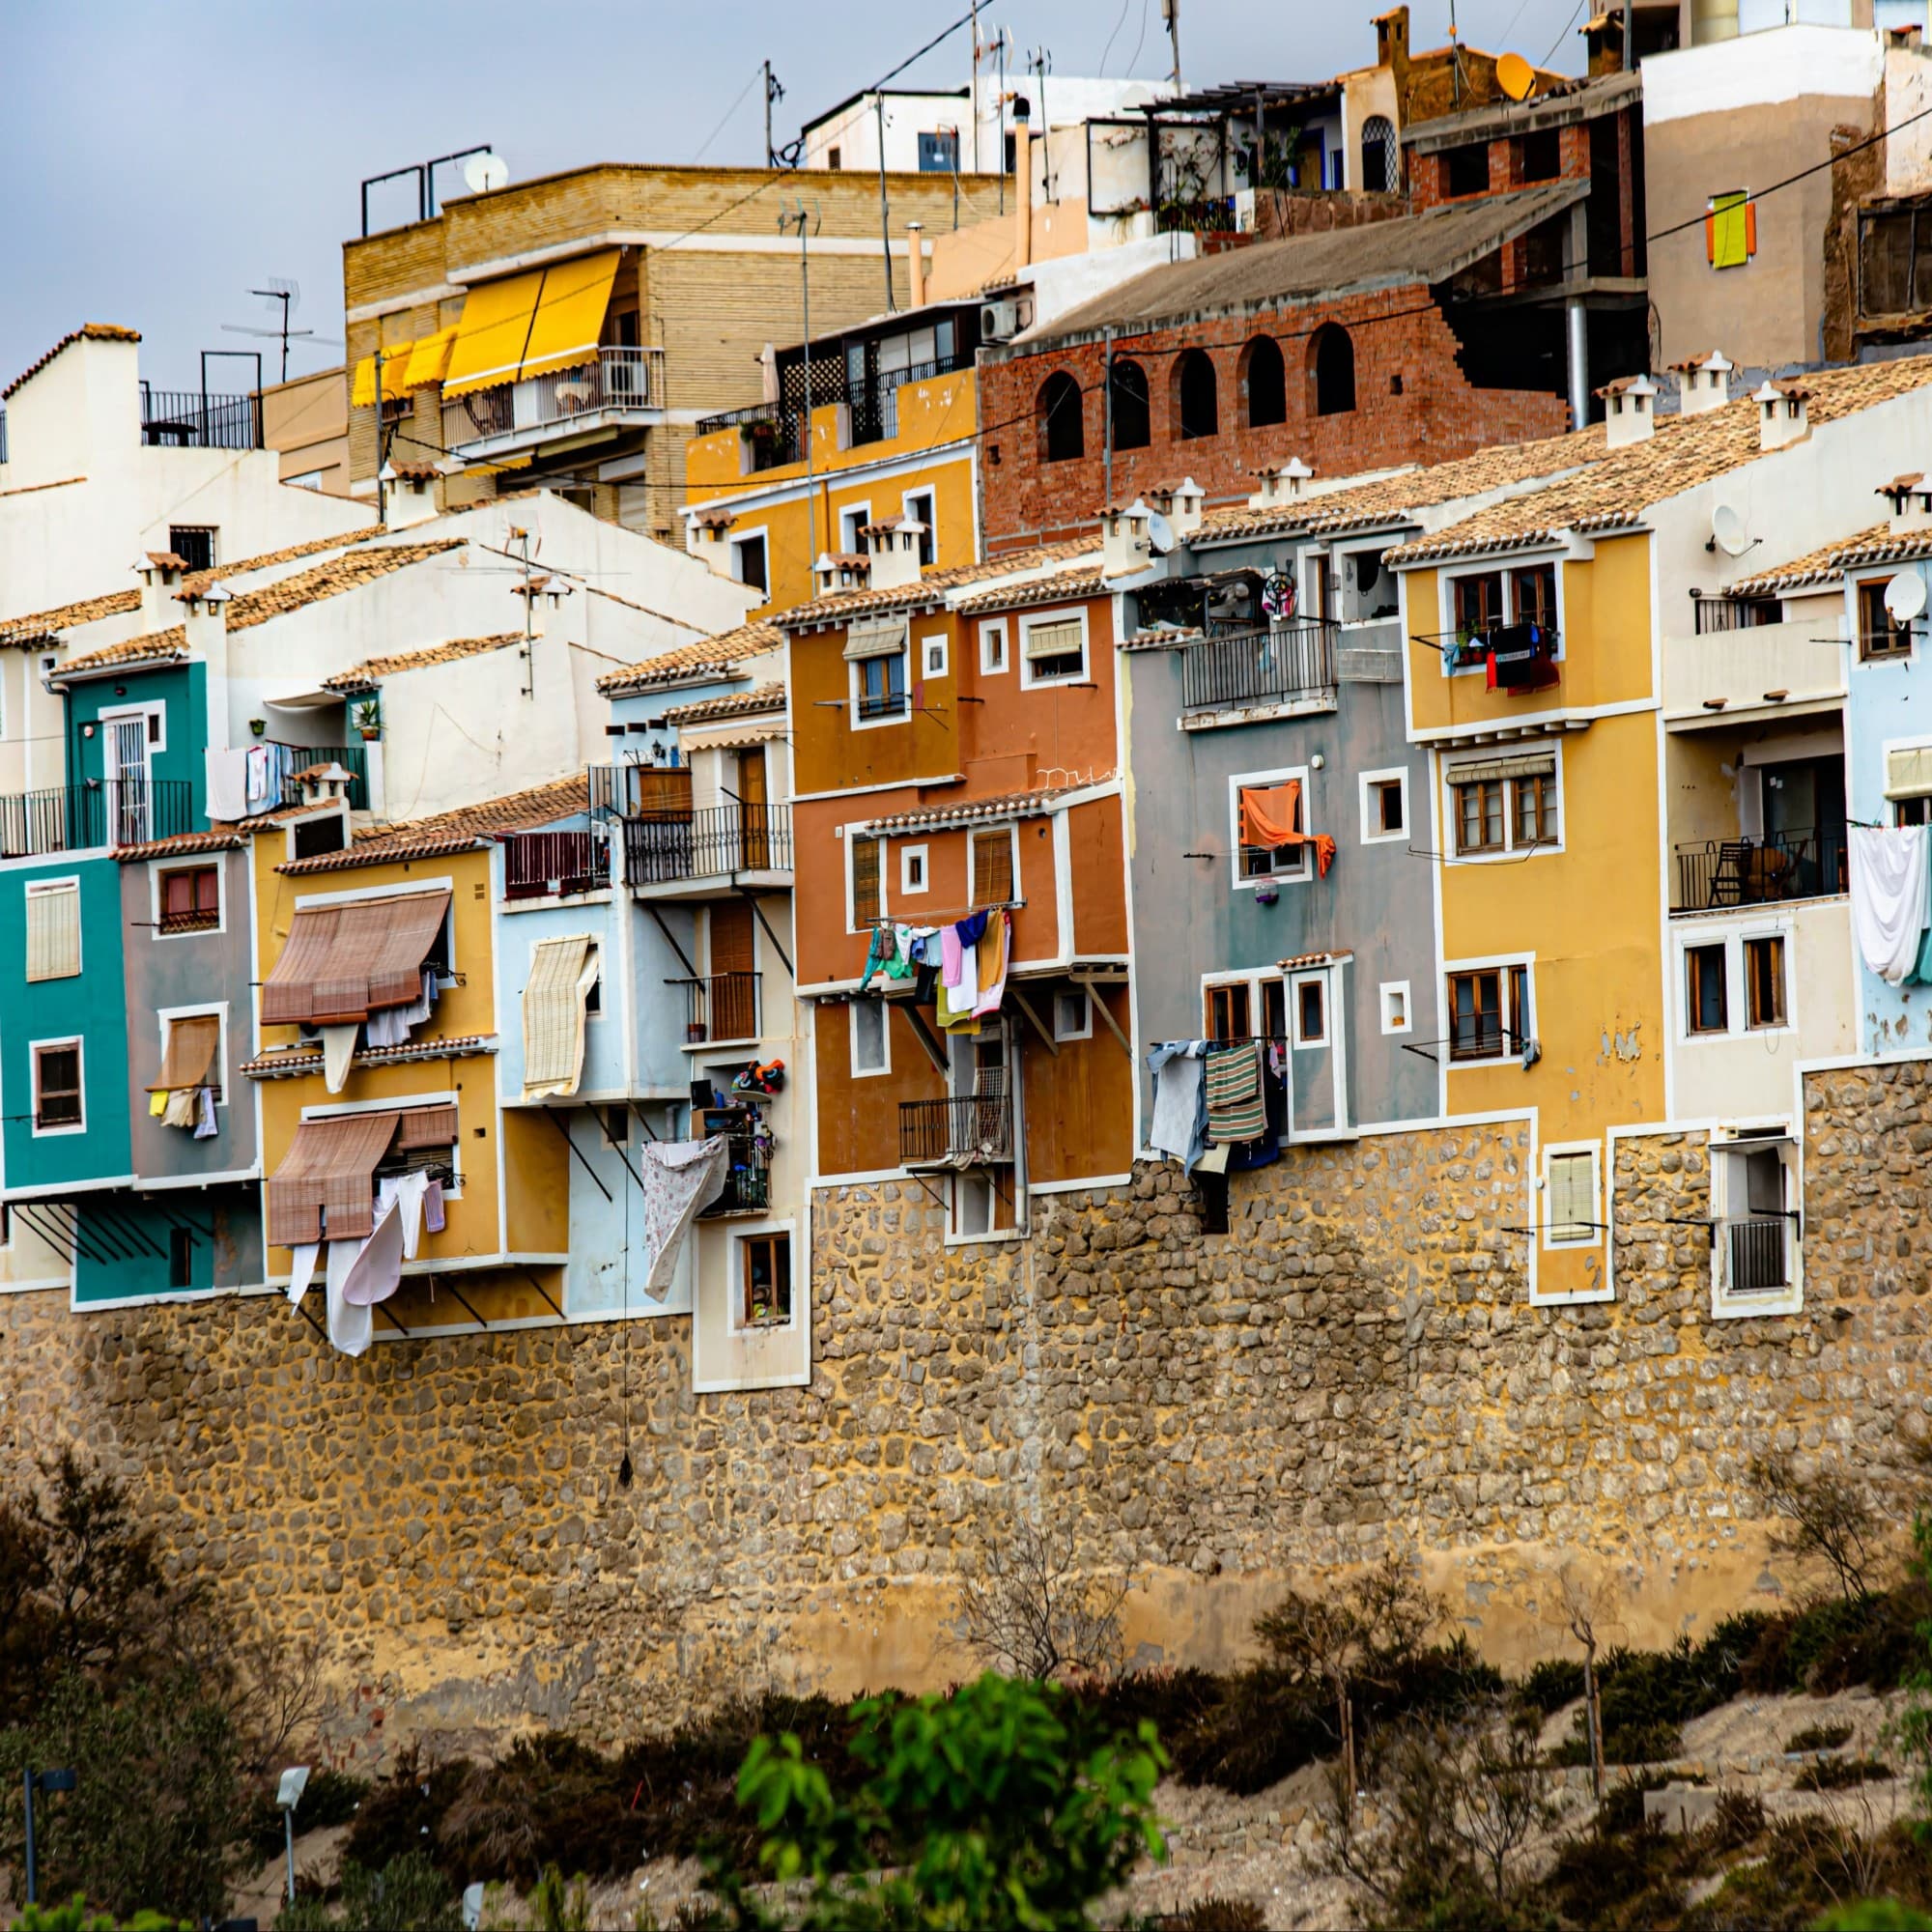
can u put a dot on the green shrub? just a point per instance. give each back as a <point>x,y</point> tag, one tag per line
<point>1551,1682</point>
<point>1842,1773</point>
<point>1215,1914</point>
<point>76,1916</point>
<point>549,1802</point>
<point>401,1815</point>
<point>307,1914</point>
<point>329,1798</point>
<point>1819,1737</point>
<point>409,1894</point>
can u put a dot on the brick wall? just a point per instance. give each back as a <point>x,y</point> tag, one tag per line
<point>1413,405</point>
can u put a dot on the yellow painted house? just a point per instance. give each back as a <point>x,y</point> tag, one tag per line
<point>893,423</point>
<point>341,1111</point>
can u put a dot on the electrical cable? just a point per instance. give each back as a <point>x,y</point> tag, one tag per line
<point>757,73</point>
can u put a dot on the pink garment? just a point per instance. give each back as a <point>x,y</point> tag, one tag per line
<point>996,946</point>
<point>377,1266</point>
<point>680,1179</point>
<point>432,1207</point>
<point>950,954</point>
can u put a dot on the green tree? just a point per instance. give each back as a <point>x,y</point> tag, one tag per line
<point>984,1807</point>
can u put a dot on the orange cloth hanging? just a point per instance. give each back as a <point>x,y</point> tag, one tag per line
<point>1271,819</point>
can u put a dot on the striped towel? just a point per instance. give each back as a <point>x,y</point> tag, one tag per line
<point>1235,1108</point>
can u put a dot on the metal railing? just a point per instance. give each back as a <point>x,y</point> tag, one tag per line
<point>875,408</point>
<point>721,1006</point>
<point>549,865</point>
<point>618,378</point>
<point>103,812</point>
<point>1734,613</point>
<point>747,1181</point>
<point>194,420</point>
<point>885,704</point>
<point>1287,661</point>
<point>711,843</point>
<point>1806,864</point>
<point>286,760</point>
<point>976,1131</point>
<point>1755,1247</point>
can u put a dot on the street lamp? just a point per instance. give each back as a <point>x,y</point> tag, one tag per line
<point>288,1796</point>
<point>43,1781</point>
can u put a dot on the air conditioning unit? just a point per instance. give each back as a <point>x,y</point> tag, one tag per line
<point>999,322</point>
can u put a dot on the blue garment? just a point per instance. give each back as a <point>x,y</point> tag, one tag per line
<point>880,951</point>
<point>970,930</point>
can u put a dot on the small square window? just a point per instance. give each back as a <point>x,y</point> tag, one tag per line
<point>852,522</point>
<point>1311,1013</point>
<point>766,1280</point>
<point>1706,992</point>
<point>1880,634</point>
<point>1395,1006</point>
<point>57,1088</point>
<point>934,657</point>
<point>871,1050</point>
<point>882,687</point>
<point>181,1258</point>
<point>193,544</point>
<point>1384,806</point>
<point>1055,649</point>
<point>748,554</point>
<point>1764,981</point>
<point>913,873</point>
<point>191,898</point>
<point>1386,794</point>
<point>1072,1015</point>
<point>992,648</point>
<point>1570,1199</point>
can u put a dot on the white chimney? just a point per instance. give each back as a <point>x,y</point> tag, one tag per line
<point>1703,383</point>
<point>1126,550</point>
<point>1782,417</point>
<point>324,783</point>
<point>409,494</point>
<point>1630,409</point>
<point>892,550</point>
<point>204,619</point>
<point>1279,483</point>
<point>1911,500</point>
<point>704,535</point>
<point>837,571</point>
<point>1180,503</point>
<point>161,571</point>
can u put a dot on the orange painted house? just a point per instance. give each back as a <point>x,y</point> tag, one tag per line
<point>958,755</point>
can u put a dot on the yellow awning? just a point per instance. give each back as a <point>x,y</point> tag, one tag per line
<point>429,358</point>
<point>490,338</point>
<point>570,313</point>
<point>396,373</point>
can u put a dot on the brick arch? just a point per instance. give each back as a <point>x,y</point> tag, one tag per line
<point>1264,383</point>
<point>1059,413</point>
<point>1194,396</point>
<point>1331,371</point>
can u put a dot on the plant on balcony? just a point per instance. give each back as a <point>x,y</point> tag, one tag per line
<point>369,720</point>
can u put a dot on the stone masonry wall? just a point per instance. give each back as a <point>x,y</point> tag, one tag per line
<point>1355,1369</point>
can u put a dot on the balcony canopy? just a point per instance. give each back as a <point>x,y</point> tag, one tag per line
<point>531,323</point>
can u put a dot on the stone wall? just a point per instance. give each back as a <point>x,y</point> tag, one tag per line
<point>1355,1369</point>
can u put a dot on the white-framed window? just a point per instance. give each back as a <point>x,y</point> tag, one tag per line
<point>1573,1195</point>
<point>53,929</point>
<point>1734,982</point>
<point>915,870</point>
<point>933,655</point>
<point>1053,648</point>
<point>764,1289</point>
<point>864,879</point>
<point>448,1157</point>
<point>993,647</point>
<point>993,865</point>
<point>852,522</point>
<point>1255,862</point>
<point>1368,586</point>
<point>871,1037</point>
<point>1490,1010</point>
<point>1476,603</point>
<point>749,561</point>
<point>154,735</point>
<point>593,970</point>
<point>1308,1009</point>
<point>1501,807</point>
<point>1384,806</point>
<point>187,899</point>
<point>1073,1013</point>
<point>60,1089</point>
<point>919,505</point>
<point>169,1018</point>
<point>880,689</point>
<point>1398,1015</point>
<point>1755,1221</point>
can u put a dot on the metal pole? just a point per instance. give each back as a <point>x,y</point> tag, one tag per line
<point>382,496</point>
<point>1000,103</point>
<point>767,67</point>
<point>33,1888</point>
<point>1171,11</point>
<point>973,94</point>
<point>1107,415</point>
<point>288,1832</point>
<point>885,216</point>
<point>1576,317</point>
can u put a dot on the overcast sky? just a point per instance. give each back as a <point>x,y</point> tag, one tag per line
<point>156,162</point>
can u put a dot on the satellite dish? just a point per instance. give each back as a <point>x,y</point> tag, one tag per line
<point>1160,533</point>
<point>1516,77</point>
<point>1727,530</point>
<point>1905,596</point>
<point>485,173</point>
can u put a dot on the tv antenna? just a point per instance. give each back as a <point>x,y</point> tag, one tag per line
<point>288,293</point>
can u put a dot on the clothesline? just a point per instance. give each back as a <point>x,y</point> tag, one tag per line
<point>925,921</point>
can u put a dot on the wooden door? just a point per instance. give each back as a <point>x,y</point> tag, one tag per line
<point>734,986</point>
<point>755,809</point>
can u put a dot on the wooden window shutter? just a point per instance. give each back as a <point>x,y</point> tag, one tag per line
<point>1572,1197</point>
<point>864,880</point>
<point>992,867</point>
<point>731,937</point>
<point>53,933</point>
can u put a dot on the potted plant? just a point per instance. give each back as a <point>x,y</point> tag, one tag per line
<point>369,720</point>
<point>258,726</point>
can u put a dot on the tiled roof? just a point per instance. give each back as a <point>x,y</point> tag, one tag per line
<point>285,1062</point>
<point>459,830</point>
<point>736,705</point>
<point>1068,585</point>
<point>931,587</point>
<point>1680,453</point>
<point>1818,566</point>
<point>118,603</point>
<point>217,838</point>
<point>683,662</point>
<point>1385,499</point>
<point>1883,546</point>
<point>365,674</point>
<point>971,811</point>
<point>88,332</point>
<point>153,647</point>
<point>348,572</point>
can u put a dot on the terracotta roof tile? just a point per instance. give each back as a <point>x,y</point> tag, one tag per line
<point>683,662</point>
<point>1068,585</point>
<point>87,331</point>
<point>365,674</point>
<point>971,811</point>
<point>1818,566</point>
<point>154,646</point>
<point>1680,453</point>
<point>1883,546</point>
<point>931,587</point>
<point>737,704</point>
<point>459,830</point>
<point>284,1063</point>
<point>217,838</point>
<point>348,572</point>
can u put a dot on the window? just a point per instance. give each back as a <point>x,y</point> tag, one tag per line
<point>593,994</point>
<point>1479,815</point>
<point>203,1043</point>
<point>1895,258</point>
<point>1226,1011</point>
<point>53,929</point>
<point>1752,1191</point>
<point>1074,1015</point>
<point>912,870</point>
<point>1912,811</point>
<point>932,657</point>
<point>1467,170</point>
<point>1054,649</point>
<point>1477,602</point>
<point>1706,989</point>
<point>882,687</point>
<point>852,522</point>
<point>748,555</point>
<point>193,544</point>
<point>1880,633</point>
<point>1378,156</point>
<point>1057,412</point>
<point>870,1053</point>
<point>767,1279</point>
<point>1133,418</point>
<point>1533,595</point>
<point>1535,798</point>
<point>919,508</point>
<point>1276,802</point>
<point>190,898</point>
<point>992,866</point>
<point>834,159</point>
<point>1311,1013</point>
<point>1331,371</point>
<point>1395,1006</point>
<point>938,153</point>
<point>1569,1198</point>
<point>1196,409</point>
<point>1265,382</point>
<point>320,832</point>
<point>1540,155</point>
<point>1488,1012</point>
<point>1764,981</point>
<point>1504,804</point>
<point>58,1106</point>
<point>866,907</point>
<point>992,648</point>
<point>616,1125</point>
<point>1384,806</point>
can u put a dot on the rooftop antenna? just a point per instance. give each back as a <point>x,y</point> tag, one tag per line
<point>798,218</point>
<point>1040,62</point>
<point>1170,16</point>
<point>289,294</point>
<point>774,92</point>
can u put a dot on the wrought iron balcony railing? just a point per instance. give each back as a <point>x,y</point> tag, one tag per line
<point>102,812</point>
<point>721,1006</point>
<point>712,843</point>
<point>1803,863</point>
<point>1268,667</point>
<point>974,1133</point>
<point>545,864</point>
<point>195,419</point>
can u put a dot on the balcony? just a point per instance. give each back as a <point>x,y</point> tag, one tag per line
<point>194,420</point>
<point>720,1007</point>
<point>1717,874</point>
<point>102,812</point>
<point>974,1133</point>
<point>553,864</point>
<point>286,760</point>
<point>1758,1255</point>
<point>1734,613</point>
<point>1729,667</point>
<point>713,844</point>
<point>875,408</point>
<point>622,388</point>
<point>747,1179</point>
<point>1283,666</point>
